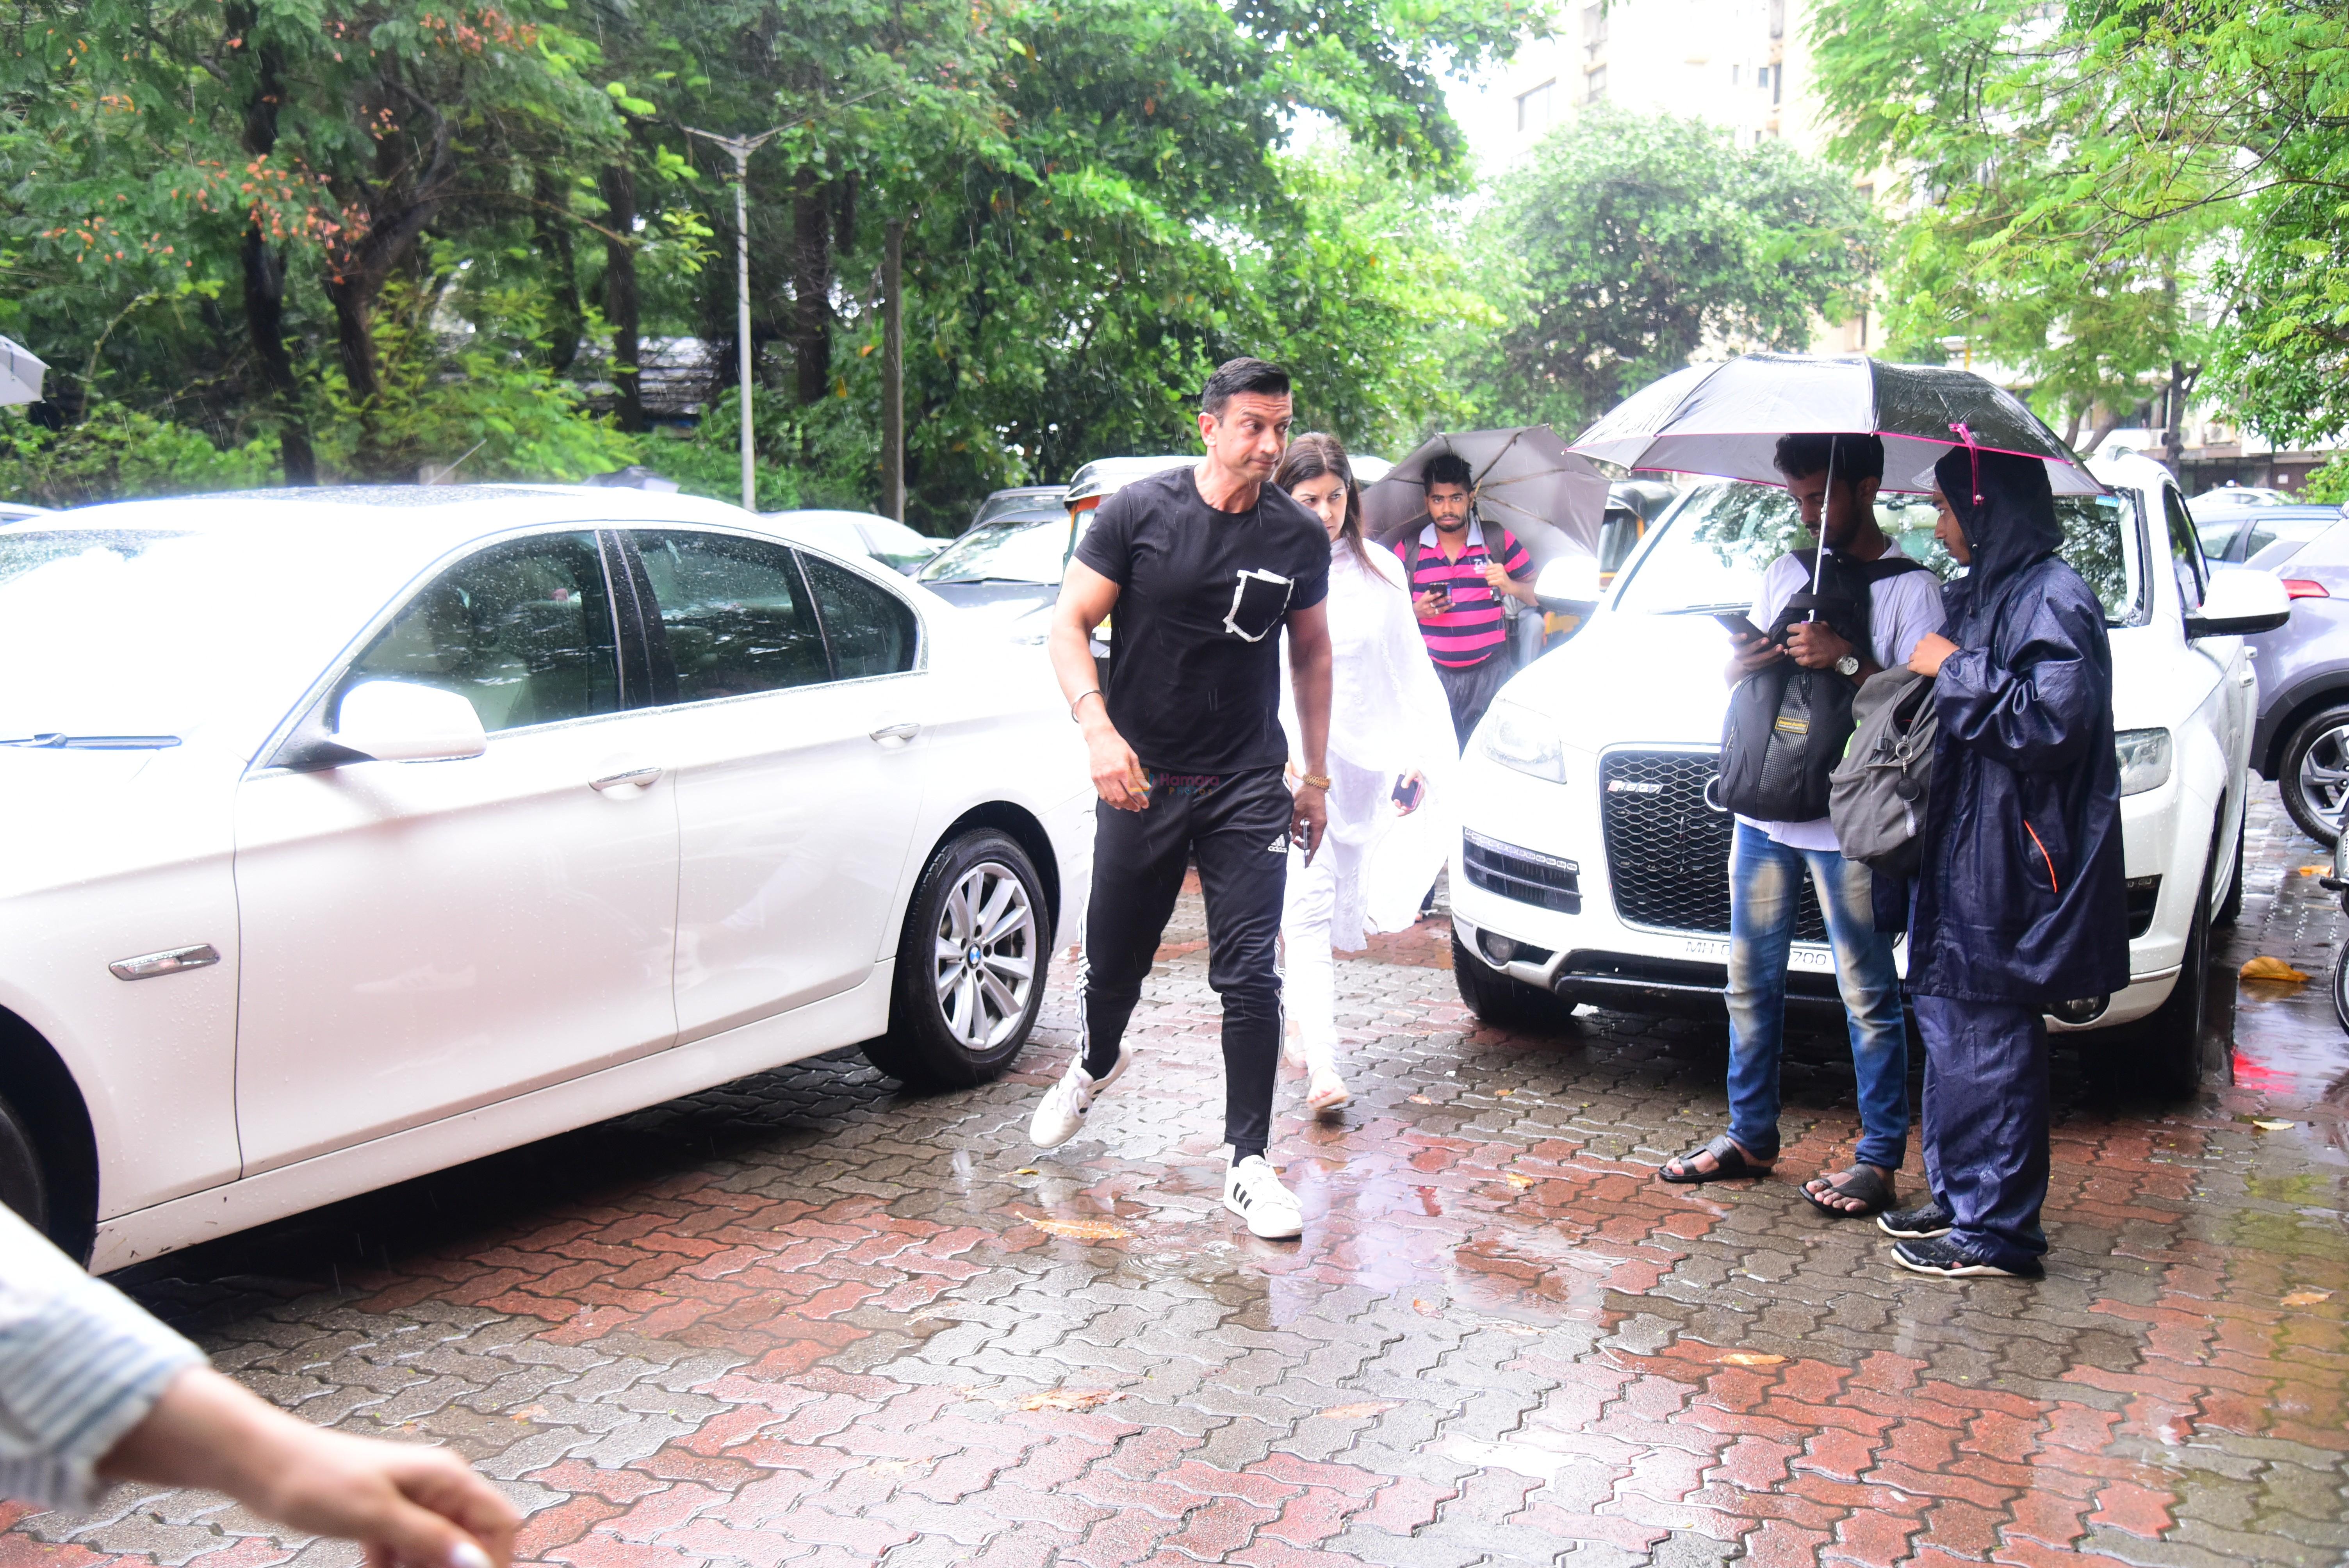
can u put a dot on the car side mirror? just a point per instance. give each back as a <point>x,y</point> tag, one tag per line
<point>2239,604</point>
<point>1568,585</point>
<point>395,721</point>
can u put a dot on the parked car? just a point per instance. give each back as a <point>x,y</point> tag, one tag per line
<point>1005,573</point>
<point>2301,738</point>
<point>2262,535</point>
<point>1023,501</point>
<point>2220,499</point>
<point>383,829</point>
<point>1593,864</point>
<point>17,511</point>
<point>869,534</point>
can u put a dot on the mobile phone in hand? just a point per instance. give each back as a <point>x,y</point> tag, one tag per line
<point>1738,626</point>
<point>1407,792</point>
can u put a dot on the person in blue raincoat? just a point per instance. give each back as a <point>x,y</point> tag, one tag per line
<point>2019,901</point>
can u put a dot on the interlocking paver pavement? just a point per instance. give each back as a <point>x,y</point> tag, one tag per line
<point>806,1319</point>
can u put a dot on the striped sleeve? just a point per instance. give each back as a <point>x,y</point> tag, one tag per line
<point>1514,558</point>
<point>80,1366</point>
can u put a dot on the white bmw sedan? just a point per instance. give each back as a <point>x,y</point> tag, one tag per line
<point>355,833</point>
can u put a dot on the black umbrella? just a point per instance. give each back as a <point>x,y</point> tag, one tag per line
<point>1526,480</point>
<point>1725,420</point>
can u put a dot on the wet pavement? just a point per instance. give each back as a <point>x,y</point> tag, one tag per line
<point>807,1319</point>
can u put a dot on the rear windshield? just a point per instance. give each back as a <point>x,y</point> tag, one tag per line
<point>1715,545</point>
<point>1002,552</point>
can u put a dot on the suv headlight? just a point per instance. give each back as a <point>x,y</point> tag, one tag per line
<point>1519,738</point>
<point>2144,759</point>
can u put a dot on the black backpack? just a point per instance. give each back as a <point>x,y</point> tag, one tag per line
<point>1787,726</point>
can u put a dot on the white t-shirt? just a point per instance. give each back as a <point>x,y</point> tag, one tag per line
<point>1900,611</point>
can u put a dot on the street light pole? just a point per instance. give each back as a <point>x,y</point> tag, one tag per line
<point>741,147</point>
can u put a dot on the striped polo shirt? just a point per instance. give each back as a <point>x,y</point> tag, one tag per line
<point>1474,629</point>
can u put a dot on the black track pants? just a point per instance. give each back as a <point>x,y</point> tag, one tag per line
<point>1238,829</point>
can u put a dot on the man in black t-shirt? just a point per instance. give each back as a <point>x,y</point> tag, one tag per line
<point>1205,566</point>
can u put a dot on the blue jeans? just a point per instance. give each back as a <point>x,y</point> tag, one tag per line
<point>1762,891</point>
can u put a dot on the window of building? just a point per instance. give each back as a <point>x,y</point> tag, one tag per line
<point>1534,107</point>
<point>1777,86</point>
<point>1761,76</point>
<point>1594,84</point>
<point>1594,25</point>
<point>1777,18</point>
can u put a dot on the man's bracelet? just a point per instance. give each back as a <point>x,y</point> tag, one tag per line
<point>1319,780</point>
<point>1080,697</point>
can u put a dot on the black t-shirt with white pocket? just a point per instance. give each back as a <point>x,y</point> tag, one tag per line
<point>1195,675</point>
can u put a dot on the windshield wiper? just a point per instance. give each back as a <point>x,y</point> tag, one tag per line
<point>1023,582</point>
<point>54,741</point>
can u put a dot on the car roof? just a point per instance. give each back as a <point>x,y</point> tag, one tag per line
<point>830,514</point>
<point>1026,490</point>
<point>1107,476</point>
<point>431,519</point>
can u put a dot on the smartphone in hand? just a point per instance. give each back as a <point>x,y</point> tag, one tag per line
<point>1738,626</point>
<point>1407,792</point>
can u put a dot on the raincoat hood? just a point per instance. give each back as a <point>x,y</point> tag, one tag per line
<point>2006,506</point>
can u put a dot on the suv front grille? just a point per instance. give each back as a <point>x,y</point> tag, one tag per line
<point>1526,875</point>
<point>1668,849</point>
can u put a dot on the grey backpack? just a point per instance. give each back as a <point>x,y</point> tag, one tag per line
<point>1876,795</point>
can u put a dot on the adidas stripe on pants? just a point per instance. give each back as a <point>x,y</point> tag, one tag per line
<point>1239,829</point>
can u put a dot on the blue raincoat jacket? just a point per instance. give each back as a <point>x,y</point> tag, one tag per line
<point>2020,897</point>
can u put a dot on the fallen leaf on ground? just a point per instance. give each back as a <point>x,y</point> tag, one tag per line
<point>1069,1399</point>
<point>1356,1412</point>
<point>2272,1124</point>
<point>1421,1099</point>
<point>1748,1358</point>
<point>2297,1298</point>
<point>2263,968</point>
<point>1025,1171</point>
<point>1505,1093</point>
<point>1426,1309</point>
<point>1083,1229</point>
<point>1520,1183</point>
<point>2314,871</point>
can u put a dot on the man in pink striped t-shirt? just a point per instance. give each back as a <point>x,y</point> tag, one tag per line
<point>1459,571</point>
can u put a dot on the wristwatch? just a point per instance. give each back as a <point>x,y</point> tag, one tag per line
<point>1847,666</point>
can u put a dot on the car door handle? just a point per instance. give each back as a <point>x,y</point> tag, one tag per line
<point>633,776</point>
<point>900,732</point>
<point>2246,676</point>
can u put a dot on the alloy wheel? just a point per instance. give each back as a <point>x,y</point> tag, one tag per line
<point>984,956</point>
<point>2324,774</point>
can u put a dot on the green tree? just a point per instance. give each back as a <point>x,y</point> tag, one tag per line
<point>1625,244</point>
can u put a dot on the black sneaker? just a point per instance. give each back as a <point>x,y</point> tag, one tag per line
<point>1927,1219</point>
<point>1938,1256</point>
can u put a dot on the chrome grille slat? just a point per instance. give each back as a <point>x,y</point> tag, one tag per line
<point>1668,851</point>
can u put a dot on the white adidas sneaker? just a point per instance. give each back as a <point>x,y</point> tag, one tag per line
<point>1062,1113</point>
<point>1253,1192</point>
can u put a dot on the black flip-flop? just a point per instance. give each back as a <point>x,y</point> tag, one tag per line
<point>1860,1182</point>
<point>1730,1164</point>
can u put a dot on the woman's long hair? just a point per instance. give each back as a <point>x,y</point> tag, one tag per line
<point>1313,455</point>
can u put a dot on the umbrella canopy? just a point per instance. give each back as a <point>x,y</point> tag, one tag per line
<point>1725,420</point>
<point>20,374</point>
<point>1527,481</point>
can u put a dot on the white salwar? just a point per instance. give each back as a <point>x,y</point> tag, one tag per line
<point>1388,719</point>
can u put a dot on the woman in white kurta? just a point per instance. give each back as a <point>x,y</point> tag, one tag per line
<point>1391,758</point>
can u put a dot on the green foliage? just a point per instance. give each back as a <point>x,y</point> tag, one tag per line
<point>120,453</point>
<point>2112,195</point>
<point>1625,243</point>
<point>2329,483</point>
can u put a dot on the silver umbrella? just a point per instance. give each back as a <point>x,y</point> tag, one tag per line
<point>1725,420</point>
<point>1527,481</point>
<point>20,373</point>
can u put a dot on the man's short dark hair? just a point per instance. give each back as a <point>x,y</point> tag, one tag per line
<point>1447,469</point>
<point>1237,375</point>
<point>1854,456</point>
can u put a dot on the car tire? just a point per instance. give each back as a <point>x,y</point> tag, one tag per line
<point>2173,1035</point>
<point>24,1181</point>
<point>1503,1000</point>
<point>971,966</point>
<point>2341,992</point>
<point>2313,777</point>
<point>2231,908</point>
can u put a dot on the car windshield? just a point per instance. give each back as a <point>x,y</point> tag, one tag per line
<point>1717,542</point>
<point>1027,551</point>
<point>895,545</point>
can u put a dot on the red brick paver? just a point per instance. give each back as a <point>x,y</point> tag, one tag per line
<point>806,1319</point>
